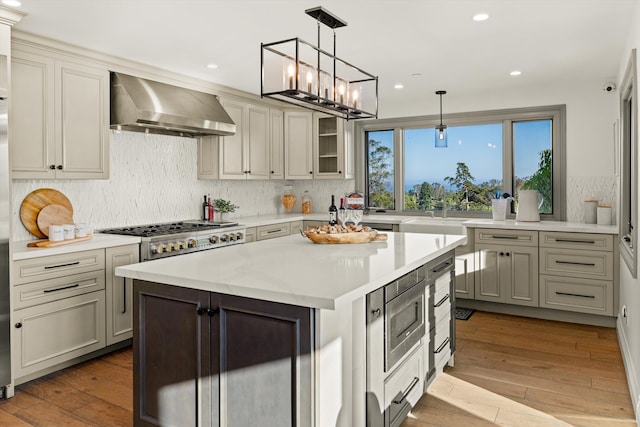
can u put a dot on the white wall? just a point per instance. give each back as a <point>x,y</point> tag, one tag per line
<point>154,179</point>
<point>630,287</point>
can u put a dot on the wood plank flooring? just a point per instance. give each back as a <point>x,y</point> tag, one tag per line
<point>509,371</point>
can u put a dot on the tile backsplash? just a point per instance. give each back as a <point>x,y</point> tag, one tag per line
<point>154,179</point>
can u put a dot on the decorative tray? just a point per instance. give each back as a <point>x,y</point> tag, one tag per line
<point>337,238</point>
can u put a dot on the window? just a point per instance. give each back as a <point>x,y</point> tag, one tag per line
<point>629,168</point>
<point>489,154</point>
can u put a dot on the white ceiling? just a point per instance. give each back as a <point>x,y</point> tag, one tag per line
<point>550,41</point>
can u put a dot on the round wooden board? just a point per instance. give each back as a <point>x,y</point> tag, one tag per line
<point>53,215</point>
<point>33,204</point>
<point>337,238</point>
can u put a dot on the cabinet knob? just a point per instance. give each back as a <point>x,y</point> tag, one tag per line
<point>272,171</point>
<point>52,167</point>
<point>201,311</point>
<point>212,311</point>
<point>18,325</point>
<point>508,254</point>
<point>59,167</point>
<point>339,171</point>
<point>501,253</point>
<point>248,171</point>
<point>311,172</point>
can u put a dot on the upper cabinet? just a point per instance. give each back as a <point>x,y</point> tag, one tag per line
<point>317,146</point>
<point>59,122</point>
<point>251,153</point>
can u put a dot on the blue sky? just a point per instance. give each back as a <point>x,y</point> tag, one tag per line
<point>480,147</point>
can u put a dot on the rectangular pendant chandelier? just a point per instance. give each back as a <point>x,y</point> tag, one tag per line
<point>300,73</point>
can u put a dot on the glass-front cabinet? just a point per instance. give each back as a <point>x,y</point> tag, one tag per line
<point>333,150</point>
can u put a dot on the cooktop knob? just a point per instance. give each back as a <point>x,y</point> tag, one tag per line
<point>183,245</point>
<point>192,243</point>
<point>159,249</point>
<point>223,238</point>
<point>232,237</point>
<point>168,247</point>
<point>213,239</point>
<point>238,236</point>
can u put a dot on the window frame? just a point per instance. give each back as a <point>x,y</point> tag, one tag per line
<point>628,236</point>
<point>557,113</point>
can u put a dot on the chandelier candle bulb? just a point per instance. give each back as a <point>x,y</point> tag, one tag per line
<point>291,74</point>
<point>309,81</point>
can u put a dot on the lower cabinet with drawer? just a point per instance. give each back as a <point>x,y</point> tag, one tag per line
<point>67,306</point>
<point>578,272</point>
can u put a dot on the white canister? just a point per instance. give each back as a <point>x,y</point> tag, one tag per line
<point>69,231</point>
<point>604,215</point>
<point>590,208</point>
<point>81,229</point>
<point>56,233</point>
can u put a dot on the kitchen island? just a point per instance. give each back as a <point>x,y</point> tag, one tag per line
<point>268,333</point>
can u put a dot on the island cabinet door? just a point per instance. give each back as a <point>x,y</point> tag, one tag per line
<point>264,351</point>
<point>172,379</point>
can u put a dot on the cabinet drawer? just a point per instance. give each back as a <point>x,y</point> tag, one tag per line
<point>506,237</point>
<point>442,298</point>
<point>577,263</point>
<point>50,267</point>
<point>574,294</point>
<point>442,342</point>
<point>272,231</point>
<point>63,287</point>
<point>584,241</point>
<point>404,386</point>
<point>58,331</point>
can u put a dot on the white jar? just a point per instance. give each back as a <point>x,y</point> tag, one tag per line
<point>69,231</point>
<point>604,215</point>
<point>81,230</point>
<point>56,233</point>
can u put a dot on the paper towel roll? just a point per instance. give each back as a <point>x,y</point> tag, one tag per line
<point>604,215</point>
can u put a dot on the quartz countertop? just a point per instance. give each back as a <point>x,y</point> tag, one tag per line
<point>293,270</point>
<point>567,227</point>
<point>258,220</point>
<point>98,241</point>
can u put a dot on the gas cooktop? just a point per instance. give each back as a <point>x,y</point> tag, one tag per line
<point>167,228</point>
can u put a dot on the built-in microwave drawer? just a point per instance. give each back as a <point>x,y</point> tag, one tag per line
<point>40,292</point>
<point>577,263</point>
<point>584,241</point>
<point>577,294</point>
<point>50,267</point>
<point>272,231</point>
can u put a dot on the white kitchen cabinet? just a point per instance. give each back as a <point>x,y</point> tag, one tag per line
<point>271,231</point>
<point>59,118</point>
<point>119,293</point>
<point>507,273</point>
<point>298,145</point>
<point>333,153</point>
<point>277,144</point>
<point>250,235</point>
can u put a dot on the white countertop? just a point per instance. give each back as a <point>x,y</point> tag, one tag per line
<point>98,241</point>
<point>293,270</point>
<point>258,220</point>
<point>567,227</point>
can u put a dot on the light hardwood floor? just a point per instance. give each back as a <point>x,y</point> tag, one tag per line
<point>509,371</point>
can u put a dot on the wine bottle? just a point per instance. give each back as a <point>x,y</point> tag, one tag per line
<point>333,212</point>
<point>210,206</point>
<point>341,212</point>
<point>205,209</point>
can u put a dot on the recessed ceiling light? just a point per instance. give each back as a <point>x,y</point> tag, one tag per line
<point>480,17</point>
<point>399,86</point>
<point>212,66</point>
<point>14,3</point>
<point>515,73</point>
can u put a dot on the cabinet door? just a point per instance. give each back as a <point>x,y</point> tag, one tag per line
<point>488,275</point>
<point>31,119</point>
<point>277,144</point>
<point>208,152</point>
<point>298,145</point>
<point>82,121</point>
<point>257,143</point>
<point>265,362</point>
<point>523,283</point>
<point>172,382</point>
<point>232,164</point>
<point>464,282</point>
<point>48,334</point>
<point>119,293</point>
<point>328,139</point>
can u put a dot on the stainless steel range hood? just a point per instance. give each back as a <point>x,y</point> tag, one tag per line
<point>142,105</point>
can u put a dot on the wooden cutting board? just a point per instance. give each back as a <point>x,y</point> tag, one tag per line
<point>53,215</point>
<point>33,204</point>
<point>49,244</point>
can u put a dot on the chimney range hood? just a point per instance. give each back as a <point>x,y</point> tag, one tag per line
<point>142,105</point>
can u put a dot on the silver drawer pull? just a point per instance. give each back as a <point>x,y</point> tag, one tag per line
<point>442,346</point>
<point>588,264</point>
<point>407,391</point>
<point>575,295</point>
<point>49,267</point>
<point>442,301</point>
<point>441,267</point>
<point>279,230</point>
<point>46,291</point>
<point>590,242</point>
<point>505,237</point>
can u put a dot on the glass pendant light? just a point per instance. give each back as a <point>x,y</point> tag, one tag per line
<point>441,130</point>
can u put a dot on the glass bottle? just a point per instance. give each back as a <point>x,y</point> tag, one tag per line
<point>288,198</point>
<point>307,207</point>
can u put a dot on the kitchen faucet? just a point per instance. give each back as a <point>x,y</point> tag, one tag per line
<point>444,199</point>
